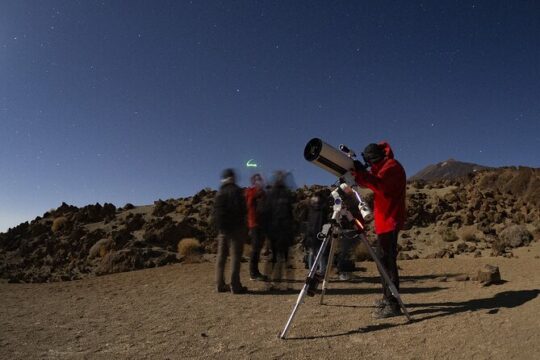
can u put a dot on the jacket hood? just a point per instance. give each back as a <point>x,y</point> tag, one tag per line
<point>375,168</point>
<point>387,149</point>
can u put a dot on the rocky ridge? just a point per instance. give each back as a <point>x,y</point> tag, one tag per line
<point>486,213</point>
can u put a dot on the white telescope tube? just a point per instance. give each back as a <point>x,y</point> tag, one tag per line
<point>327,157</point>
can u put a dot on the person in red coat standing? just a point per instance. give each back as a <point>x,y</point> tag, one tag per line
<point>388,181</point>
<point>255,196</point>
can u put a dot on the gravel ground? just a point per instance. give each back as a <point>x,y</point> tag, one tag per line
<point>173,312</point>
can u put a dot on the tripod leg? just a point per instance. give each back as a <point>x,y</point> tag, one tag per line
<point>296,306</point>
<point>329,264</point>
<point>384,274</point>
<point>309,280</point>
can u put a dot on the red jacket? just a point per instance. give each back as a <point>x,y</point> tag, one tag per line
<point>388,181</point>
<point>253,198</point>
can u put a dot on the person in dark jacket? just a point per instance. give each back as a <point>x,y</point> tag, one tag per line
<point>230,220</point>
<point>349,236</point>
<point>279,224</point>
<point>255,200</point>
<point>387,180</point>
<point>317,216</point>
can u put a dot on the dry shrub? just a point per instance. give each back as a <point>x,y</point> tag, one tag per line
<point>448,234</point>
<point>189,246</point>
<point>101,248</point>
<point>469,235</point>
<point>58,223</point>
<point>103,251</point>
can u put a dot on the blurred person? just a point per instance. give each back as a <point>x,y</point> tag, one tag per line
<point>317,216</point>
<point>254,201</point>
<point>230,220</point>
<point>279,225</point>
<point>387,180</point>
<point>349,237</point>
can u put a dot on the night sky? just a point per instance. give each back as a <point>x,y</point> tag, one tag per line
<point>131,101</point>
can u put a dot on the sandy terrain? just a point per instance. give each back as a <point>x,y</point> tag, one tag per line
<point>173,312</point>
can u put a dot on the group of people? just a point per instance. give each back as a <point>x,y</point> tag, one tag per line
<point>269,215</point>
<point>260,213</point>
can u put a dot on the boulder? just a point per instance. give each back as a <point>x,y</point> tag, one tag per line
<point>133,259</point>
<point>129,206</point>
<point>120,261</point>
<point>162,208</point>
<point>135,222</point>
<point>515,236</point>
<point>489,274</point>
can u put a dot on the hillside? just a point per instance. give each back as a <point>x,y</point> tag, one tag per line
<point>490,212</point>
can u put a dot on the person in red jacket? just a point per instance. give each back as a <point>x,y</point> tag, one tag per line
<point>387,180</point>
<point>254,200</point>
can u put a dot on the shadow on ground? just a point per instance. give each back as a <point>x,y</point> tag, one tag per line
<point>505,299</point>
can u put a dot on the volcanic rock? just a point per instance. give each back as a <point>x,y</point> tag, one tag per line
<point>488,275</point>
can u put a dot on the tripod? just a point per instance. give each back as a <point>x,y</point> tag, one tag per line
<point>329,234</point>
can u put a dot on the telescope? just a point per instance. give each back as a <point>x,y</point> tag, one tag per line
<point>328,157</point>
<point>337,162</point>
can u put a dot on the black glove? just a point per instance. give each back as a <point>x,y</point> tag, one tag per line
<point>359,166</point>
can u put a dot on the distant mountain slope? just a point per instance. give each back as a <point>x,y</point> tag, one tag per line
<point>447,170</point>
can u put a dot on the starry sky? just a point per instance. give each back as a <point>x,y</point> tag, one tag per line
<point>131,101</point>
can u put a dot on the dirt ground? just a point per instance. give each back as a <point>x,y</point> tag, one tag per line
<point>173,312</point>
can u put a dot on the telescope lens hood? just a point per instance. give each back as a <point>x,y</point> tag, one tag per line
<point>313,149</point>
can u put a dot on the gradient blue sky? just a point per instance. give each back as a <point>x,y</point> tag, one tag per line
<point>131,101</point>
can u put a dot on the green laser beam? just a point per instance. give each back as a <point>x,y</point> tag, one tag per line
<point>251,163</point>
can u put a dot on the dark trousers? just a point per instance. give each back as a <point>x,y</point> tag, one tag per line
<point>235,241</point>
<point>278,265</point>
<point>257,240</point>
<point>347,241</point>
<point>313,250</point>
<point>387,254</point>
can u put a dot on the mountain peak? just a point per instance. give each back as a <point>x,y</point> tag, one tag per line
<point>445,170</point>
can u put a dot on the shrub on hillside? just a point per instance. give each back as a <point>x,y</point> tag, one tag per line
<point>101,248</point>
<point>448,234</point>
<point>189,246</point>
<point>469,236</point>
<point>59,223</point>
